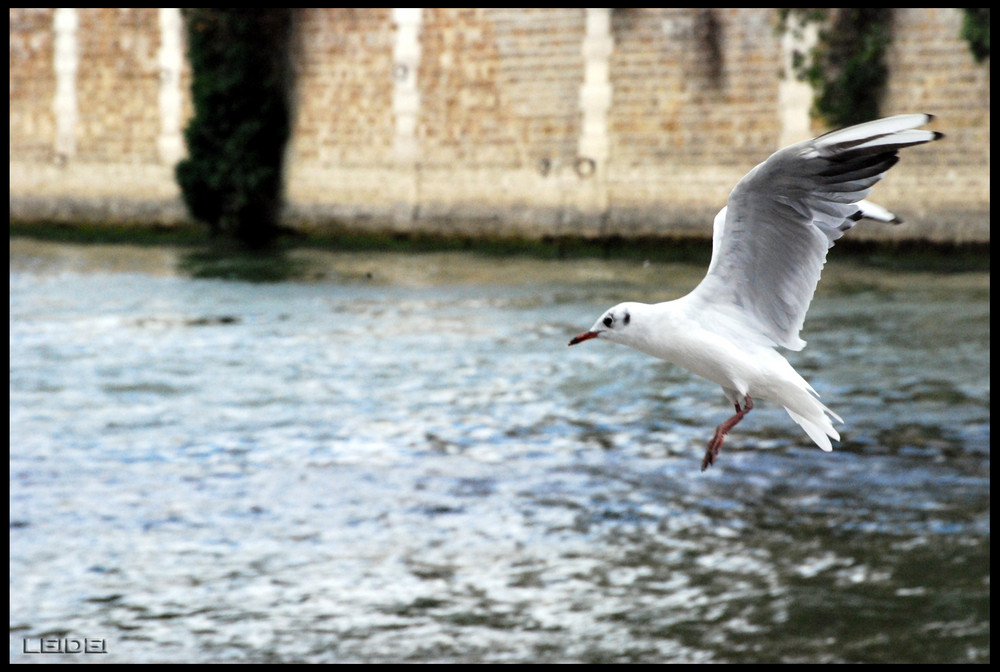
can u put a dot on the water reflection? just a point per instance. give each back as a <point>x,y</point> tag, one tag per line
<point>400,460</point>
<point>221,262</point>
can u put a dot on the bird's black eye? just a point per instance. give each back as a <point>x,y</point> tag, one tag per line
<point>608,321</point>
<point>628,318</point>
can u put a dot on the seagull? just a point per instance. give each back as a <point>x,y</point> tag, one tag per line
<point>769,245</point>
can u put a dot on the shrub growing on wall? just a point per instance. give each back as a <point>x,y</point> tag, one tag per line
<point>976,31</point>
<point>846,69</point>
<point>232,178</point>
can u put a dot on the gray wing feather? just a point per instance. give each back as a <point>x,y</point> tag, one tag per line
<point>770,242</point>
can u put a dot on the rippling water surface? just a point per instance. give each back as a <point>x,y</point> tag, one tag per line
<point>401,460</point>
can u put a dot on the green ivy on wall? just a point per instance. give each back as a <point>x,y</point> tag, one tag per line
<point>846,68</point>
<point>976,31</point>
<point>232,178</point>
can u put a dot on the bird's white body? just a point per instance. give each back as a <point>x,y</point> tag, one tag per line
<point>769,247</point>
<point>704,344</point>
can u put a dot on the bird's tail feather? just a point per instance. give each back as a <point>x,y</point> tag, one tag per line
<point>805,408</point>
<point>818,427</point>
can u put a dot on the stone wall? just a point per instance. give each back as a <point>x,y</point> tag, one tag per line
<point>97,102</point>
<point>485,121</point>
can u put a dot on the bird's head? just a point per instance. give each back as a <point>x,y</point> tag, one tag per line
<point>616,324</point>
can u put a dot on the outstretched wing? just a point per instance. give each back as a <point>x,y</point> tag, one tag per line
<point>770,242</point>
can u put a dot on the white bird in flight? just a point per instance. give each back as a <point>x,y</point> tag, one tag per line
<point>768,248</point>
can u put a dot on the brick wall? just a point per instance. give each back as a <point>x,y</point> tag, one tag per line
<point>118,86</point>
<point>485,121</point>
<point>947,189</point>
<point>343,101</point>
<point>87,135</point>
<point>695,106</point>
<point>32,86</point>
<point>342,135</point>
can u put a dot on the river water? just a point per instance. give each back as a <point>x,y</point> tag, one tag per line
<point>398,459</point>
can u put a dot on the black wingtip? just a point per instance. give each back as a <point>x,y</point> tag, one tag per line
<point>937,134</point>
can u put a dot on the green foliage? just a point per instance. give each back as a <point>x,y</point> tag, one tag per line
<point>976,31</point>
<point>846,68</point>
<point>232,178</point>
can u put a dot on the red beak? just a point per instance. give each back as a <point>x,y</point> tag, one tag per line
<point>585,336</point>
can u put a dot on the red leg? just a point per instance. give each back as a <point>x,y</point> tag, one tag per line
<point>715,445</point>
